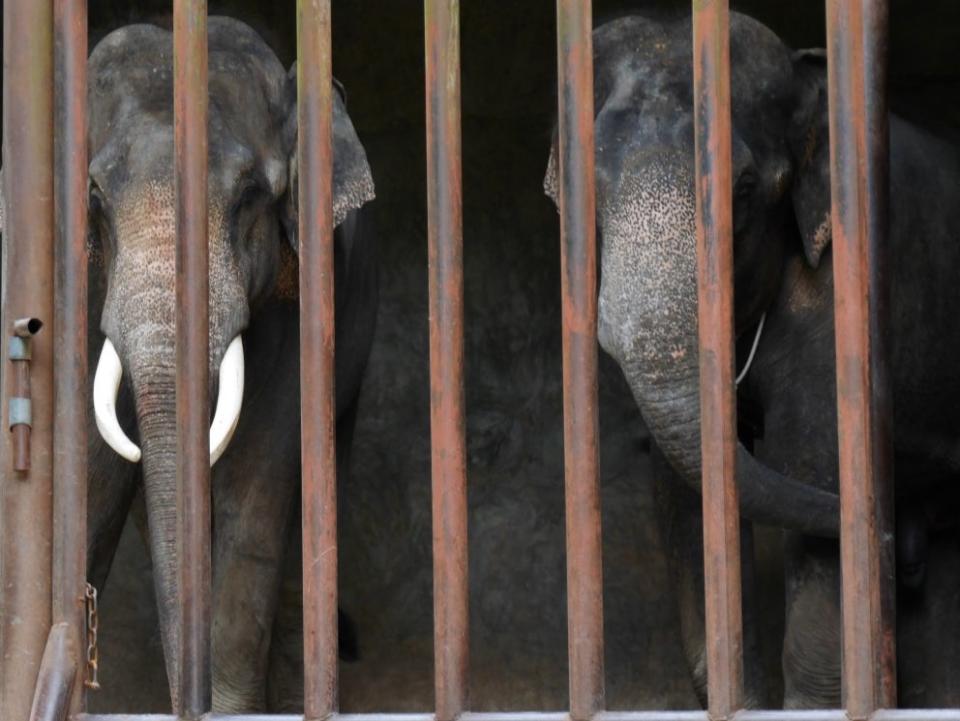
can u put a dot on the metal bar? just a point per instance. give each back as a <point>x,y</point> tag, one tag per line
<point>578,271</point>
<point>447,433</point>
<point>792,715</point>
<point>27,287</point>
<point>718,423</point>
<point>58,676</point>
<point>856,72</point>
<point>70,326</point>
<point>193,403</point>
<point>318,404</point>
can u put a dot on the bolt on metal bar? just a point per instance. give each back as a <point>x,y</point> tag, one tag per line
<point>70,326</point>
<point>447,433</point>
<point>856,73</point>
<point>318,405</point>
<point>193,403</point>
<point>718,427</point>
<point>578,270</point>
<point>26,497</point>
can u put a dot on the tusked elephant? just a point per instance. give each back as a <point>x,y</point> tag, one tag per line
<point>782,275</point>
<point>254,331</point>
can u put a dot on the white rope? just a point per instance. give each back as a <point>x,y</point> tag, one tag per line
<point>753,350</point>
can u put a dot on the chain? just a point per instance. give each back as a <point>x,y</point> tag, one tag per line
<point>93,654</point>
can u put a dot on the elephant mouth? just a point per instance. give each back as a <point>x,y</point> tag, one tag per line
<point>106,385</point>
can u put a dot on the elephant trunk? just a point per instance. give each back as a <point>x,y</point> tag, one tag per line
<point>154,384</point>
<point>766,496</point>
<point>648,324</point>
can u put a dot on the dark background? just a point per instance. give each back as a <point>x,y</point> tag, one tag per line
<point>518,635</point>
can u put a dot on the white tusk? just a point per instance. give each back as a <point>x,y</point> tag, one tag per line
<point>229,400</point>
<point>106,383</point>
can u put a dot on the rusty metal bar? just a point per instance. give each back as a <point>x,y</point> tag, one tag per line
<point>58,676</point>
<point>447,432</point>
<point>718,424</point>
<point>70,326</point>
<point>792,715</point>
<point>25,497</point>
<point>193,402</point>
<point>856,73</point>
<point>578,271</point>
<point>318,404</point>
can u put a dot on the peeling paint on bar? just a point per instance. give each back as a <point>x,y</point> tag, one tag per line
<point>578,272</point>
<point>856,75</point>
<point>718,413</point>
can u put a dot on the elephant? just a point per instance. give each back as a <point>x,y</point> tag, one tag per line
<point>254,359</point>
<point>784,300</point>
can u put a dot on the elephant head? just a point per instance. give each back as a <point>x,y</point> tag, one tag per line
<point>252,242</point>
<point>646,204</point>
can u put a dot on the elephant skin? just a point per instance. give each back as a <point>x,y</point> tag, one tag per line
<point>253,294</point>
<point>783,269</point>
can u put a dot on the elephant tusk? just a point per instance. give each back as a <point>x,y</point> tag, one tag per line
<point>106,384</point>
<point>229,400</point>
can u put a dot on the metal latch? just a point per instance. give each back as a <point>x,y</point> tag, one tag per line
<point>20,409</point>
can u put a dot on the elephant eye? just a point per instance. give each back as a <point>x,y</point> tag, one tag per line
<point>249,194</point>
<point>98,224</point>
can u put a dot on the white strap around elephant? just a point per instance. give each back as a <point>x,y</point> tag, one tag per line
<point>753,350</point>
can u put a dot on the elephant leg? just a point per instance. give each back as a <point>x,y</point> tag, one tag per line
<point>252,501</point>
<point>812,640</point>
<point>285,676</point>
<point>681,519</point>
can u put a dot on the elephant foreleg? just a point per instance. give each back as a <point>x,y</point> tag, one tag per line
<point>681,520</point>
<point>811,648</point>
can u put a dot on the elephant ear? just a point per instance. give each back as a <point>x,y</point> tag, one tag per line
<point>352,179</point>
<point>810,147</point>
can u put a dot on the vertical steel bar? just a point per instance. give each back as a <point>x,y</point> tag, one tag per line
<point>718,426</point>
<point>857,42</point>
<point>193,403</point>
<point>448,444</point>
<point>578,270</point>
<point>26,497</point>
<point>318,401</point>
<point>70,326</point>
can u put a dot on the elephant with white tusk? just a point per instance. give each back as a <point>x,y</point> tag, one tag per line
<point>254,366</point>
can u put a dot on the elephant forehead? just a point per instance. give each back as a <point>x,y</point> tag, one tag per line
<point>648,283</point>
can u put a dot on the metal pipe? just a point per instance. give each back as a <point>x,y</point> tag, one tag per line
<point>447,427</point>
<point>791,715</point>
<point>578,271</point>
<point>317,398</point>
<point>718,415</point>
<point>70,326</point>
<point>25,498</point>
<point>856,73</point>
<point>58,676</point>
<point>193,403</point>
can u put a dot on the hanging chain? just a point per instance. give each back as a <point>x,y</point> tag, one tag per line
<point>93,654</point>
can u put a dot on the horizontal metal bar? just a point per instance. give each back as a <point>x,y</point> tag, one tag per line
<point>752,715</point>
<point>817,715</point>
